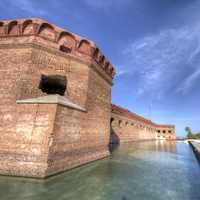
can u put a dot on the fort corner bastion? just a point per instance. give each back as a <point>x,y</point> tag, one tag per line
<point>55,102</point>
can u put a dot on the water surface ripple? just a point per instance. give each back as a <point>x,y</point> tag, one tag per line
<point>140,171</point>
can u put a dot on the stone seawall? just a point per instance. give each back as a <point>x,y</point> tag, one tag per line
<point>196,148</point>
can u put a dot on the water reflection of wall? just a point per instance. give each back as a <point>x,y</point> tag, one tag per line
<point>166,146</point>
<point>156,145</point>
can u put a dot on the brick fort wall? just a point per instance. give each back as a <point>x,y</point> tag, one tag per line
<point>55,102</point>
<point>44,133</point>
<point>127,126</point>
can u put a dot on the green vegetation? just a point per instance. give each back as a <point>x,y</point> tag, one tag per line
<point>191,135</point>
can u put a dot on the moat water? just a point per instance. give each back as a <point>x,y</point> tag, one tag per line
<point>140,171</point>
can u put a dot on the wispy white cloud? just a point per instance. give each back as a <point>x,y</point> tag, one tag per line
<point>122,70</point>
<point>29,6</point>
<point>189,81</point>
<point>185,119</point>
<point>161,59</point>
<point>108,4</point>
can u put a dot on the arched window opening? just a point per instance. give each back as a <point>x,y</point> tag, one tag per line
<point>120,123</point>
<point>111,121</point>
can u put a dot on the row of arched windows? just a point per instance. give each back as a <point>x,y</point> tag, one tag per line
<point>164,131</point>
<point>123,124</point>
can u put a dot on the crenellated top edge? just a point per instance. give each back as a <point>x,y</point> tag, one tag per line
<point>59,38</point>
<point>165,126</point>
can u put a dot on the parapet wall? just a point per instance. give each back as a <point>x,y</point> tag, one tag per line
<point>38,31</point>
<point>127,126</point>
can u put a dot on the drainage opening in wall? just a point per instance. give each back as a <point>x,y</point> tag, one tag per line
<point>53,84</point>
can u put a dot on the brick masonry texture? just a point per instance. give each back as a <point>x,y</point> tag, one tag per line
<point>42,139</point>
<point>127,126</point>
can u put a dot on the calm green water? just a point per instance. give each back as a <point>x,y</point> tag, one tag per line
<point>142,171</point>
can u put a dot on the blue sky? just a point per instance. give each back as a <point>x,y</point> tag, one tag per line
<point>153,44</point>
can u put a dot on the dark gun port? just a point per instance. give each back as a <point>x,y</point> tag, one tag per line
<point>53,84</point>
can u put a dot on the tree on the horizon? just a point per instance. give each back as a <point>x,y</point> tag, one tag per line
<point>189,132</point>
<point>191,135</point>
<point>188,129</point>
